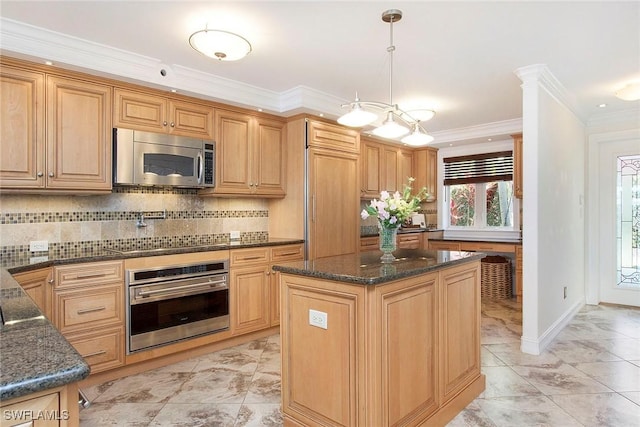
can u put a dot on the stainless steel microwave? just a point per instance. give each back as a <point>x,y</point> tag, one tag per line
<point>155,159</point>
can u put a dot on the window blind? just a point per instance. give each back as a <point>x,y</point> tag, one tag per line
<point>478,168</point>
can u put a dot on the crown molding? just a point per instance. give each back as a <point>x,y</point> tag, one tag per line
<point>626,118</point>
<point>540,75</point>
<point>478,133</point>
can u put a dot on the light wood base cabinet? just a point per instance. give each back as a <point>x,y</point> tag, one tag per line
<point>56,407</point>
<point>37,285</point>
<point>402,353</point>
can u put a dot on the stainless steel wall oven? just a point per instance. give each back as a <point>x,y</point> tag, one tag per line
<point>176,302</point>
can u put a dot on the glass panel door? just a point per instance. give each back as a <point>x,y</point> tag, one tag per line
<point>628,222</point>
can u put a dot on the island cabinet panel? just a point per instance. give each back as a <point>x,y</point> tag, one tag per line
<point>323,376</point>
<point>53,407</point>
<point>35,284</point>
<point>460,329</point>
<point>405,352</point>
<point>405,356</point>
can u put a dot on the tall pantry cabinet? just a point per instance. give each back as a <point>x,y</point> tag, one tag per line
<point>323,159</point>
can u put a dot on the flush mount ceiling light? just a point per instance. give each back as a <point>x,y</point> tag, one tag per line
<point>397,122</point>
<point>220,45</point>
<point>630,92</point>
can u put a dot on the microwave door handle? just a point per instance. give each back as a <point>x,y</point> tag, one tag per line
<point>200,167</point>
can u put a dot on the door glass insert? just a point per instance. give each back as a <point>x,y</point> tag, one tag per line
<point>628,221</point>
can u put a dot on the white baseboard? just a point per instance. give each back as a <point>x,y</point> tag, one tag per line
<point>537,346</point>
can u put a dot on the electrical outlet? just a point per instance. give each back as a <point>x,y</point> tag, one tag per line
<point>234,235</point>
<point>565,292</point>
<point>318,318</point>
<point>38,245</point>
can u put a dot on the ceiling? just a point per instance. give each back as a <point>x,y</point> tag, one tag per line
<point>457,58</point>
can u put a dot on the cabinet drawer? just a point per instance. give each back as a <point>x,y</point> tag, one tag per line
<point>411,241</point>
<point>102,349</point>
<point>444,246</point>
<point>88,274</point>
<point>87,308</point>
<point>287,253</point>
<point>249,256</point>
<point>369,243</point>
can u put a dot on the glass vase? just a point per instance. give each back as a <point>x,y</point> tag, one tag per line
<point>388,243</point>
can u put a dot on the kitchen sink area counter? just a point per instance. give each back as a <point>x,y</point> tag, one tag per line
<point>396,343</point>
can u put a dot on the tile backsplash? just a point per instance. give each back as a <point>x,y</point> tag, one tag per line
<point>111,219</point>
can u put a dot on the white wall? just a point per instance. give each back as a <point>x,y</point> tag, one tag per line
<point>553,208</point>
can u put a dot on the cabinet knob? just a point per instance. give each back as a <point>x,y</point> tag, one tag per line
<point>50,174</point>
<point>40,174</point>
<point>50,281</point>
<point>173,124</point>
<point>164,123</point>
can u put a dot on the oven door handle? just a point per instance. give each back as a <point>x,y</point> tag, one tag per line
<point>185,289</point>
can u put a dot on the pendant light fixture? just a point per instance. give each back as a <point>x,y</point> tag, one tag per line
<point>397,122</point>
<point>220,45</point>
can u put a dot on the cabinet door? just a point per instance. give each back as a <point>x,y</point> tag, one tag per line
<point>405,169</point>
<point>443,246</point>
<point>333,137</point>
<point>134,110</point>
<point>268,168</point>
<point>36,285</point>
<point>102,349</point>
<point>389,169</point>
<point>517,165</point>
<point>78,135</point>
<point>426,171</point>
<point>249,299</point>
<point>334,205</point>
<point>22,150</point>
<point>371,243</point>
<point>409,241</point>
<point>371,169</point>
<point>189,119</point>
<point>460,328</point>
<point>233,173</point>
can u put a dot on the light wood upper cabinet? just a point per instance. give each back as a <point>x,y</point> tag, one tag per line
<point>22,154</point>
<point>371,169</point>
<point>425,171</point>
<point>62,144</point>
<point>79,134</point>
<point>249,156</point>
<point>333,137</point>
<point>156,113</point>
<point>384,167</point>
<point>517,165</point>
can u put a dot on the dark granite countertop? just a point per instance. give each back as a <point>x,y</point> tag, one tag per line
<point>34,356</point>
<point>25,261</point>
<point>366,268</point>
<point>457,239</point>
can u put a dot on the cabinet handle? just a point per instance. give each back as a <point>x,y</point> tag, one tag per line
<point>313,208</point>
<point>40,174</point>
<point>164,123</point>
<point>89,275</point>
<point>97,353</point>
<point>288,253</point>
<point>267,272</point>
<point>50,174</point>
<point>173,125</point>
<point>91,310</point>
<point>51,281</point>
<point>250,258</point>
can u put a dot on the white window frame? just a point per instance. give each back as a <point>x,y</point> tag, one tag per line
<point>477,233</point>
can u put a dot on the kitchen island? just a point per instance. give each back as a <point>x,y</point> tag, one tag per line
<point>372,344</point>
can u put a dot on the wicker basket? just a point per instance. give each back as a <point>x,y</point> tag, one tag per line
<point>496,278</point>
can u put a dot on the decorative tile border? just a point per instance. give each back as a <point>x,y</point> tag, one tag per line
<point>55,217</point>
<point>86,248</point>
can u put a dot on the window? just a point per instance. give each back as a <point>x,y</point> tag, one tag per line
<point>480,191</point>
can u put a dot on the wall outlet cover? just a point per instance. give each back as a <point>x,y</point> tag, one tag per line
<point>318,318</point>
<point>38,245</point>
<point>234,235</point>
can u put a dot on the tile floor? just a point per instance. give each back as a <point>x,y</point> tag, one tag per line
<point>589,376</point>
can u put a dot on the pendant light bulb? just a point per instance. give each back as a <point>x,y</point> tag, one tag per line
<point>417,138</point>
<point>390,128</point>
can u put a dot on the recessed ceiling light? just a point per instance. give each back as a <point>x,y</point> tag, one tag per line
<point>602,105</point>
<point>48,63</point>
<point>489,139</point>
<point>260,110</point>
<point>174,90</point>
<point>321,114</point>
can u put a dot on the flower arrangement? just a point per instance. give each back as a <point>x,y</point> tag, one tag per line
<point>392,211</point>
